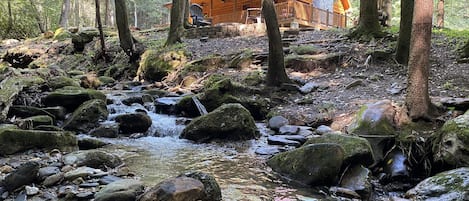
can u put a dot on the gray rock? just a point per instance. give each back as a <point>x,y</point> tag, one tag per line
<point>317,164</point>
<point>354,84</point>
<point>106,130</point>
<point>82,172</point>
<point>122,190</point>
<point>280,140</point>
<point>72,97</point>
<point>90,143</point>
<point>358,179</point>
<point>357,150</point>
<point>59,112</point>
<point>108,179</point>
<point>176,189</point>
<point>452,146</point>
<point>452,185</point>
<point>458,103</point>
<point>92,158</point>
<point>309,87</point>
<point>131,100</point>
<point>25,174</point>
<point>67,191</point>
<point>53,179</point>
<point>166,105</point>
<point>16,140</point>
<point>87,116</point>
<point>322,129</point>
<point>374,119</point>
<point>396,166</point>
<point>133,123</point>
<point>211,188</point>
<point>24,111</point>
<point>267,150</point>
<point>229,122</point>
<point>47,171</point>
<point>276,122</point>
<point>31,190</point>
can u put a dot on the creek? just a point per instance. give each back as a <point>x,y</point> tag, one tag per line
<point>240,172</point>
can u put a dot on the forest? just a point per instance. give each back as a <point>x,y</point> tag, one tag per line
<point>243,100</point>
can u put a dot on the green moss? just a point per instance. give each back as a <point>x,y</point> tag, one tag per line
<point>62,81</point>
<point>40,120</point>
<point>241,60</point>
<point>453,33</point>
<point>154,64</point>
<point>106,80</point>
<point>61,34</point>
<point>3,67</point>
<point>305,49</point>
<point>254,78</point>
<point>364,126</point>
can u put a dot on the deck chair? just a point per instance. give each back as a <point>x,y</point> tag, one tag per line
<point>198,16</point>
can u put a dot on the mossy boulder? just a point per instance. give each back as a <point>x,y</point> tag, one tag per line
<point>62,81</point>
<point>154,65</point>
<point>228,122</point>
<point>105,80</point>
<point>16,140</point>
<point>374,119</point>
<point>131,123</point>
<point>314,164</point>
<point>241,60</point>
<point>25,111</point>
<point>452,144</point>
<point>212,190</point>
<point>87,116</point>
<point>40,120</point>
<point>357,150</point>
<point>61,34</point>
<point>83,37</point>
<point>72,97</point>
<point>175,189</point>
<point>449,185</point>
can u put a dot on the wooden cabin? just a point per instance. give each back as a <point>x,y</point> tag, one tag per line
<point>307,13</point>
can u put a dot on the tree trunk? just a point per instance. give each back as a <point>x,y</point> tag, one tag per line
<point>387,8</point>
<point>276,74</point>
<point>77,13</point>
<point>465,50</point>
<point>101,34</point>
<point>125,37</point>
<point>37,16</point>
<point>10,20</point>
<point>368,24</point>
<point>135,14</point>
<point>417,98</point>
<point>403,43</point>
<point>187,14</point>
<point>63,22</point>
<point>441,14</point>
<point>106,12</point>
<point>176,27</point>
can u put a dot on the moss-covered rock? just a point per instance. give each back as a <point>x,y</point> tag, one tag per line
<point>40,120</point>
<point>228,122</point>
<point>449,185</point>
<point>314,164</point>
<point>306,49</point>
<point>25,111</point>
<point>72,97</point>
<point>61,34</point>
<point>83,37</point>
<point>452,144</point>
<point>241,60</point>
<point>62,81</point>
<point>134,123</point>
<point>16,140</point>
<point>154,65</point>
<point>357,150</point>
<point>92,158</point>
<point>374,119</point>
<point>87,116</point>
<point>105,80</point>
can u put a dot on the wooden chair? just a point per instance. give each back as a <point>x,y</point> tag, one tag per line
<point>254,14</point>
<point>197,16</point>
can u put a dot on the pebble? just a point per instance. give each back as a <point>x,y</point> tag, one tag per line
<point>31,190</point>
<point>89,185</point>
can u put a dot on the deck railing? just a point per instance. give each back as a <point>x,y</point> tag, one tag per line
<point>292,10</point>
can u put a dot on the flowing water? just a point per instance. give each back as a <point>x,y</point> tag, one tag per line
<point>241,174</point>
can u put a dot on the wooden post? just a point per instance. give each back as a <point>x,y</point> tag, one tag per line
<point>327,18</point>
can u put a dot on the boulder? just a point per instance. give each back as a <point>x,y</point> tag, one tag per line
<point>211,188</point>
<point>133,123</point>
<point>449,185</point>
<point>90,143</point>
<point>155,65</point>
<point>121,190</point>
<point>282,140</point>
<point>358,179</point>
<point>59,112</point>
<point>72,97</point>
<point>92,158</point>
<point>87,116</point>
<point>374,119</point>
<point>275,123</point>
<point>314,164</point>
<point>16,140</point>
<point>83,37</point>
<point>25,111</point>
<point>61,34</point>
<point>176,189</point>
<point>106,130</point>
<point>25,174</point>
<point>230,122</point>
<point>83,172</point>
<point>452,146</point>
<point>62,81</point>
<point>40,120</point>
<point>357,150</point>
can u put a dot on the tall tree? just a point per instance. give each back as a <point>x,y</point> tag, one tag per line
<point>417,98</point>
<point>77,13</point>
<point>101,34</point>
<point>276,74</point>
<point>65,12</point>
<point>37,16</point>
<point>176,27</point>
<point>440,17</point>
<point>125,37</point>
<point>10,19</point>
<point>403,43</point>
<point>387,8</point>
<point>368,24</point>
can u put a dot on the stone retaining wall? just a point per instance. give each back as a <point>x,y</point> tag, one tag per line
<point>226,30</point>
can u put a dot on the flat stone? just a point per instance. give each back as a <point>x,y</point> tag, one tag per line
<point>47,171</point>
<point>81,172</point>
<point>279,140</point>
<point>276,122</point>
<point>108,179</point>
<point>53,179</point>
<point>267,150</point>
<point>31,190</point>
<point>89,185</point>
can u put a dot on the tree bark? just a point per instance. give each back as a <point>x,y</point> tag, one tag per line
<point>403,43</point>
<point>368,24</point>
<point>176,27</point>
<point>387,8</point>
<point>106,12</point>
<point>417,98</point>
<point>187,14</point>
<point>465,50</point>
<point>101,34</point>
<point>135,14</point>
<point>125,37</point>
<point>63,22</point>
<point>10,20</point>
<point>37,16</point>
<point>276,74</point>
<point>77,13</point>
<point>441,14</point>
